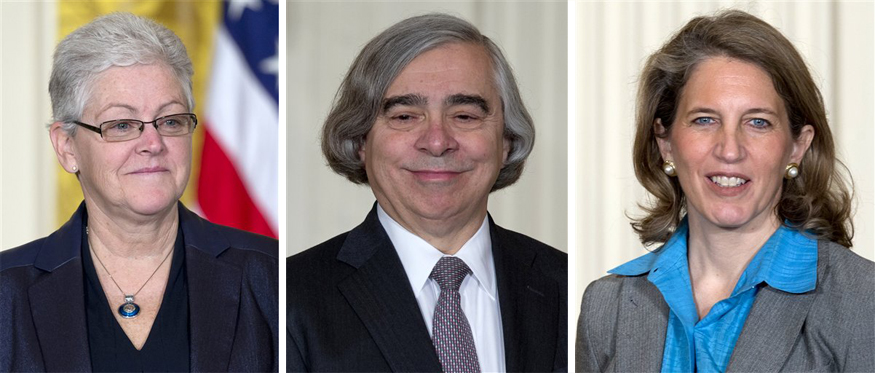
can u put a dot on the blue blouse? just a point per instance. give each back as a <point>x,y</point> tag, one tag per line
<point>787,261</point>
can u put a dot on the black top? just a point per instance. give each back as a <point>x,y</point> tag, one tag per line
<point>167,347</point>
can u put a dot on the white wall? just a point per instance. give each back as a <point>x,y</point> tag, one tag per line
<point>613,41</point>
<point>27,161</point>
<point>324,38</point>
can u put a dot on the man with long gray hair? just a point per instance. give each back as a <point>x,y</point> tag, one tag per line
<point>430,117</point>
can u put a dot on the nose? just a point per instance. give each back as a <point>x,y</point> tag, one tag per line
<point>730,144</point>
<point>437,139</point>
<point>150,141</point>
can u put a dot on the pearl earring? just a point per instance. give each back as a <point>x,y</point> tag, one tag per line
<point>791,171</point>
<point>668,168</point>
<point>75,169</point>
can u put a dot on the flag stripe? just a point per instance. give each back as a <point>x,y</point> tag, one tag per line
<point>243,121</point>
<point>222,195</point>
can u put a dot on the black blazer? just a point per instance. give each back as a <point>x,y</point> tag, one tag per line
<point>351,308</point>
<point>232,295</point>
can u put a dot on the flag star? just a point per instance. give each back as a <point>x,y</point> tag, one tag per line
<point>270,65</point>
<point>237,7</point>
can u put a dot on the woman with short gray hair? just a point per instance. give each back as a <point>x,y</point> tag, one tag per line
<point>134,281</point>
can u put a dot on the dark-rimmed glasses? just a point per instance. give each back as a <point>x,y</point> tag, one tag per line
<point>129,129</point>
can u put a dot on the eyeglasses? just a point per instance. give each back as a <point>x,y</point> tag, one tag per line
<point>129,129</point>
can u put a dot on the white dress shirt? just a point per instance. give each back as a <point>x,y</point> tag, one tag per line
<point>479,292</point>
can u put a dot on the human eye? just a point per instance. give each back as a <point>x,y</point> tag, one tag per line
<point>119,126</point>
<point>170,122</point>
<point>704,121</point>
<point>403,118</point>
<point>466,119</point>
<point>759,123</point>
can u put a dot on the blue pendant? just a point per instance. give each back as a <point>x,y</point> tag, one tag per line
<point>129,309</point>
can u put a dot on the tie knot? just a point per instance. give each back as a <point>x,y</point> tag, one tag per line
<point>449,273</point>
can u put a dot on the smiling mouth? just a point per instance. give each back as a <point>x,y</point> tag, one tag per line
<point>727,181</point>
<point>150,170</point>
<point>436,175</point>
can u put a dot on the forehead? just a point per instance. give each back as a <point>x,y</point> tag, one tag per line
<point>445,70</point>
<point>728,81</point>
<point>137,89</point>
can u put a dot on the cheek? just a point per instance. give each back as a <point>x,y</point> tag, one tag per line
<point>688,150</point>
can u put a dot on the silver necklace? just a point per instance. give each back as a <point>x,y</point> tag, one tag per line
<point>129,309</point>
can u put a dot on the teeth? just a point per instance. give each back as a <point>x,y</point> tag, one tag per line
<point>728,182</point>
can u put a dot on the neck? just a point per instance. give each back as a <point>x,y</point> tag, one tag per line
<point>723,254</point>
<point>133,238</point>
<point>447,234</point>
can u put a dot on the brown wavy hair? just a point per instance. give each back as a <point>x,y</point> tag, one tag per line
<point>817,202</point>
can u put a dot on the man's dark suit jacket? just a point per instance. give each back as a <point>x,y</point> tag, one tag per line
<point>232,298</point>
<point>351,308</point>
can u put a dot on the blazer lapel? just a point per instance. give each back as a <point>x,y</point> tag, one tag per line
<point>58,308</point>
<point>380,294</point>
<point>529,302</point>
<point>641,326</point>
<point>213,294</point>
<point>57,303</point>
<point>772,327</point>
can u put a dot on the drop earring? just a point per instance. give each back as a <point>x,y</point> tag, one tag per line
<point>791,171</point>
<point>668,168</point>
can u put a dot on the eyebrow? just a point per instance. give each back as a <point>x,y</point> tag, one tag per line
<point>746,112</point>
<point>419,100</point>
<point>404,100</point>
<point>134,110</point>
<point>463,99</point>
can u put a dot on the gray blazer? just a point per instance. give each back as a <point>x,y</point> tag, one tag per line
<point>831,328</point>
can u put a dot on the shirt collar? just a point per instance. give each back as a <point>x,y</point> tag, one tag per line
<point>787,261</point>
<point>672,253</point>
<point>419,257</point>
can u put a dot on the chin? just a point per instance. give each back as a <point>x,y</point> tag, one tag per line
<point>731,217</point>
<point>153,203</point>
<point>436,208</point>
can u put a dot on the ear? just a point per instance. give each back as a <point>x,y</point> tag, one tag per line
<point>802,143</point>
<point>505,150</point>
<point>662,141</point>
<point>361,151</point>
<point>65,147</point>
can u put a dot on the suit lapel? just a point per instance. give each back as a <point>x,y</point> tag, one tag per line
<point>529,302</point>
<point>379,292</point>
<point>57,302</point>
<point>772,327</point>
<point>213,294</point>
<point>643,318</point>
<point>58,308</point>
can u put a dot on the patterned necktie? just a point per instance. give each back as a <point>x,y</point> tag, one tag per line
<point>452,338</point>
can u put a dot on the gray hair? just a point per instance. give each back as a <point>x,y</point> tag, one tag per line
<point>116,39</point>
<point>358,100</point>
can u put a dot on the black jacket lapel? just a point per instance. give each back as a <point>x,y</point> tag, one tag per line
<point>380,294</point>
<point>213,294</point>
<point>530,307</point>
<point>58,308</point>
<point>58,302</point>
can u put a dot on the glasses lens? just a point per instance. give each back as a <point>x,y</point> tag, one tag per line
<point>176,125</point>
<point>121,130</point>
